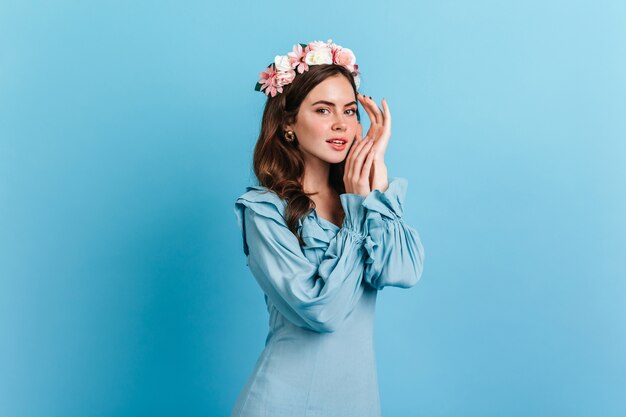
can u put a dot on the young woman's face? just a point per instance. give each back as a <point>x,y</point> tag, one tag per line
<point>327,112</point>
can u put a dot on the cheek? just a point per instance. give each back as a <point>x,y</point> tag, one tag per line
<point>352,127</point>
<point>317,127</point>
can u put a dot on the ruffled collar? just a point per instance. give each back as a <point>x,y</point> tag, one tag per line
<point>324,224</point>
<point>317,231</point>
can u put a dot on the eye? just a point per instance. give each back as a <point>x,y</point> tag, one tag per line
<point>319,110</point>
<point>353,111</point>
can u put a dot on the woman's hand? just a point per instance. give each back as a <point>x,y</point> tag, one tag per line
<point>379,133</point>
<point>356,175</point>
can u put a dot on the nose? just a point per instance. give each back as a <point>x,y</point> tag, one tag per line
<point>340,123</point>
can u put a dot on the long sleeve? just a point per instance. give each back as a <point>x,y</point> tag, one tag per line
<point>395,254</point>
<point>315,297</point>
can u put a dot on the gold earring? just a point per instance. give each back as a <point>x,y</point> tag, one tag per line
<point>290,136</point>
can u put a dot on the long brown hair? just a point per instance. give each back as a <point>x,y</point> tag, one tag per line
<point>278,164</point>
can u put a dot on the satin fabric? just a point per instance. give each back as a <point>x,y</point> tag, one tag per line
<point>319,357</point>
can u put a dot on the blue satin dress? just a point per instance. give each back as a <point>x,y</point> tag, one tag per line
<point>319,357</point>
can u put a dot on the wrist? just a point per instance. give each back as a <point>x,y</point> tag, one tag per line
<point>378,177</point>
<point>379,161</point>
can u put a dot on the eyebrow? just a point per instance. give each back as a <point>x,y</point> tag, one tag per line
<point>331,104</point>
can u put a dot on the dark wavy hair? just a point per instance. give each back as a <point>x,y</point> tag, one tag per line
<point>278,164</point>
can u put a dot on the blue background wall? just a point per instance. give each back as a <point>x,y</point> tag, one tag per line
<point>126,133</point>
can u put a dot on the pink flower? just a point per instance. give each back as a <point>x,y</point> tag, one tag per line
<point>273,90</point>
<point>344,57</point>
<point>284,77</point>
<point>297,58</point>
<point>269,81</point>
<point>273,81</point>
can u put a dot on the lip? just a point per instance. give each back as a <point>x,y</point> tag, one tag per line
<point>341,139</point>
<point>336,146</point>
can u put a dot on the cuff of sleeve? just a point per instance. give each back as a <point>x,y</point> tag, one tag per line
<point>354,212</point>
<point>390,202</point>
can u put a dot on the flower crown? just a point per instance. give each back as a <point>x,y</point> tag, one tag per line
<point>283,70</point>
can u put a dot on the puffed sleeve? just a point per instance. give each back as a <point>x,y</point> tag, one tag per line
<point>395,254</point>
<point>315,297</point>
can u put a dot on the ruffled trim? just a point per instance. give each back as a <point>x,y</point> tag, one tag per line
<point>354,211</point>
<point>314,235</point>
<point>262,201</point>
<point>394,255</point>
<point>372,247</point>
<point>390,203</point>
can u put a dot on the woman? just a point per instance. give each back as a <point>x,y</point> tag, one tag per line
<point>322,234</point>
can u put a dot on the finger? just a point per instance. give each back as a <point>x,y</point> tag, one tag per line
<point>378,127</point>
<point>361,146</point>
<point>357,144</point>
<point>370,107</point>
<point>387,122</point>
<point>367,165</point>
<point>358,162</point>
<point>374,129</point>
<point>365,102</point>
<point>387,112</point>
<point>377,110</point>
<point>361,173</point>
<point>367,105</point>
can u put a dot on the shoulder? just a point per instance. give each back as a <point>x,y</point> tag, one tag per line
<point>264,208</point>
<point>262,201</point>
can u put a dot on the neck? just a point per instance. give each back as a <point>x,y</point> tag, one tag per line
<point>316,176</point>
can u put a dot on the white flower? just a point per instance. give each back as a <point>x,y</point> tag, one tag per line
<point>357,81</point>
<point>319,56</point>
<point>282,63</point>
<point>317,45</point>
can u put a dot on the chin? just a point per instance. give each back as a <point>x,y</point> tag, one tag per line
<point>336,158</point>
